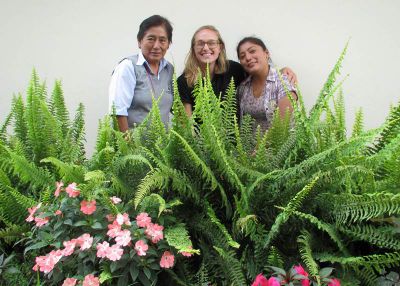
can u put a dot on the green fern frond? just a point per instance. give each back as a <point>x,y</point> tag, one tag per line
<point>3,128</point>
<point>246,133</point>
<point>350,208</point>
<point>73,149</point>
<point>275,258</point>
<point>13,233</point>
<point>211,214</point>
<point>20,124</point>
<point>358,126</point>
<point>376,261</point>
<point>178,237</point>
<point>328,88</point>
<point>373,235</point>
<point>68,172</point>
<point>58,107</point>
<point>304,241</point>
<point>28,172</point>
<point>329,229</point>
<point>293,205</point>
<point>389,131</point>
<point>206,172</point>
<point>154,179</point>
<point>13,206</point>
<point>233,267</point>
<point>366,274</point>
<point>229,113</point>
<point>340,126</point>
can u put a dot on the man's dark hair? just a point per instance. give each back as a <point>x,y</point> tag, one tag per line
<point>253,40</point>
<point>155,21</point>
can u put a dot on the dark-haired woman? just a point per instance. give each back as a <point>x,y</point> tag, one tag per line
<point>136,78</point>
<point>208,47</point>
<point>262,92</point>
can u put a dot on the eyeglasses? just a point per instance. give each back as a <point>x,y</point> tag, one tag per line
<point>212,44</point>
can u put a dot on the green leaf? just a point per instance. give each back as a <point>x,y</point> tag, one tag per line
<point>325,272</point>
<point>147,272</point>
<point>97,225</point>
<point>144,279</point>
<point>123,280</point>
<point>134,271</point>
<point>36,246</point>
<point>104,276</point>
<point>155,266</point>
<point>81,223</point>
<point>68,222</point>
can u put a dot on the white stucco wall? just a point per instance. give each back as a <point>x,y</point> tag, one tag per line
<point>81,41</point>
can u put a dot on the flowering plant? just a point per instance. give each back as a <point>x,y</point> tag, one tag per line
<point>297,275</point>
<point>93,238</point>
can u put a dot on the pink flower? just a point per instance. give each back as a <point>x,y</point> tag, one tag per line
<point>58,212</point>
<point>123,219</point>
<point>143,220</point>
<point>187,254</point>
<point>167,260</point>
<point>41,221</point>
<point>114,252</point>
<point>110,218</point>
<point>154,232</point>
<point>123,238</point>
<point>69,247</point>
<point>300,270</point>
<point>91,280</point>
<point>46,263</point>
<point>334,282</point>
<point>262,281</point>
<point>113,229</point>
<point>88,207</point>
<point>85,241</point>
<point>115,200</point>
<point>35,267</point>
<point>69,282</point>
<point>59,185</point>
<point>32,211</point>
<point>72,190</point>
<point>141,247</point>
<point>102,249</point>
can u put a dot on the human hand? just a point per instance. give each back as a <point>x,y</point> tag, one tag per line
<point>290,75</point>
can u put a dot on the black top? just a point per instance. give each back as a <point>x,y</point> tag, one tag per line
<point>220,82</point>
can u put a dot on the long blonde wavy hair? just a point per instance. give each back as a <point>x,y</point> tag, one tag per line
<point>192,65</point>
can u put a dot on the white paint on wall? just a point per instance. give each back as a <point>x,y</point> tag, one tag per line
<point>81,41</point>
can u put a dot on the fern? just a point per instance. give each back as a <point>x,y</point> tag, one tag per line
<point>329,229</point>
<point>389,131</point>
<point>221,227</point>
<point>328,88</point>
<point>153,179</point>
<point>376,261</point>
<point>58,108</point>
<point>235,274</point>
<point>349,208</point>
<point>358,124</point>
<point>68,172</point>
<point>178,237</point>
<point>373,235</point>
<point>282,218</point>
<point>275,258</point>
<point>306,254</point>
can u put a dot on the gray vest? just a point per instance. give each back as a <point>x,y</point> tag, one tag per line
<point>146,81</point>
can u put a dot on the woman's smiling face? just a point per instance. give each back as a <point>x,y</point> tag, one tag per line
<point>252,57</point>
<point>206,46</point>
